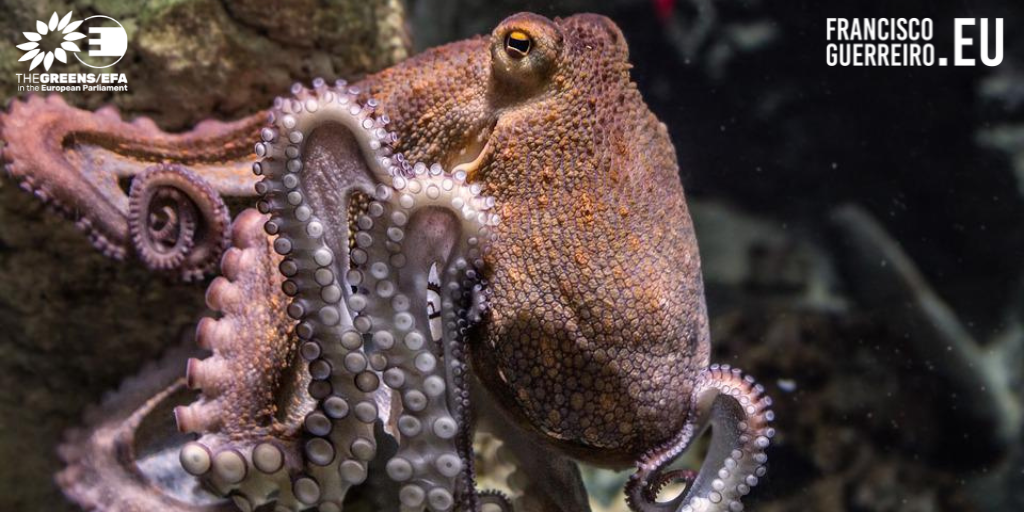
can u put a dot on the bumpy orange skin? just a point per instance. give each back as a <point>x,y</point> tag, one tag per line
<point>597,326</point>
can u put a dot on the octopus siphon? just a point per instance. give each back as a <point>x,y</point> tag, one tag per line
<point>492,234</point>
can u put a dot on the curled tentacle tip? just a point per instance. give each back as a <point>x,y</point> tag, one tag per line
<point>738,411</point>
<point>494,501</point>
<point>177,222</point>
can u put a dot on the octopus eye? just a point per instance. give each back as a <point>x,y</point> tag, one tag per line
<point>525,50</point>
<point>518,44</point>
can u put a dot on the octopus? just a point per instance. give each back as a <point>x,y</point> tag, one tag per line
<point>490,235</point>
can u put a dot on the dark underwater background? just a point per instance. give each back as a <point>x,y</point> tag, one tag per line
<point>862,234</point>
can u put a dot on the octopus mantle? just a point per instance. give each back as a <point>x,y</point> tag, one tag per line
<point>336,367</point>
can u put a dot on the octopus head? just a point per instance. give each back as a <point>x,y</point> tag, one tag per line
<point>596,329</point>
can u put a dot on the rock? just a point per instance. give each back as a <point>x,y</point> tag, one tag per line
<point>73,323</point>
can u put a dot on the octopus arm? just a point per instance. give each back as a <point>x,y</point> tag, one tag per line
<point>126,457</point>
<point>253,388</point>
<point>83,163</point>
<point>321,155</point>
<point>739,414</point>
<point>360,230</point>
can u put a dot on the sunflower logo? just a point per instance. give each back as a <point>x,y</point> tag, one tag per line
<point>49,31</point>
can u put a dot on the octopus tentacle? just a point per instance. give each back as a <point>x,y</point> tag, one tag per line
<point>76,161</point>
<point>738,411</point>
<point>253,397</point>
<point>362,310</point>
<point>495,501</point>
<point>178,223</point>
<point>430,219</point>
<point>322,148</point>
<point>123,460</point>
<point>654,488</point>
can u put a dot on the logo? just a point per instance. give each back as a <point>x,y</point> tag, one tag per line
<point>891,42</point>
<point>105,43</point>
<point>56,39</point>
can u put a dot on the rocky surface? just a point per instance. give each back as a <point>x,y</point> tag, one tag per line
<point>192,59</point>
<point>72,323</point>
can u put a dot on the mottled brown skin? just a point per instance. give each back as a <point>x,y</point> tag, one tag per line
<point>596,329</point>
<point>597,325</point>
<point>80,163</point>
